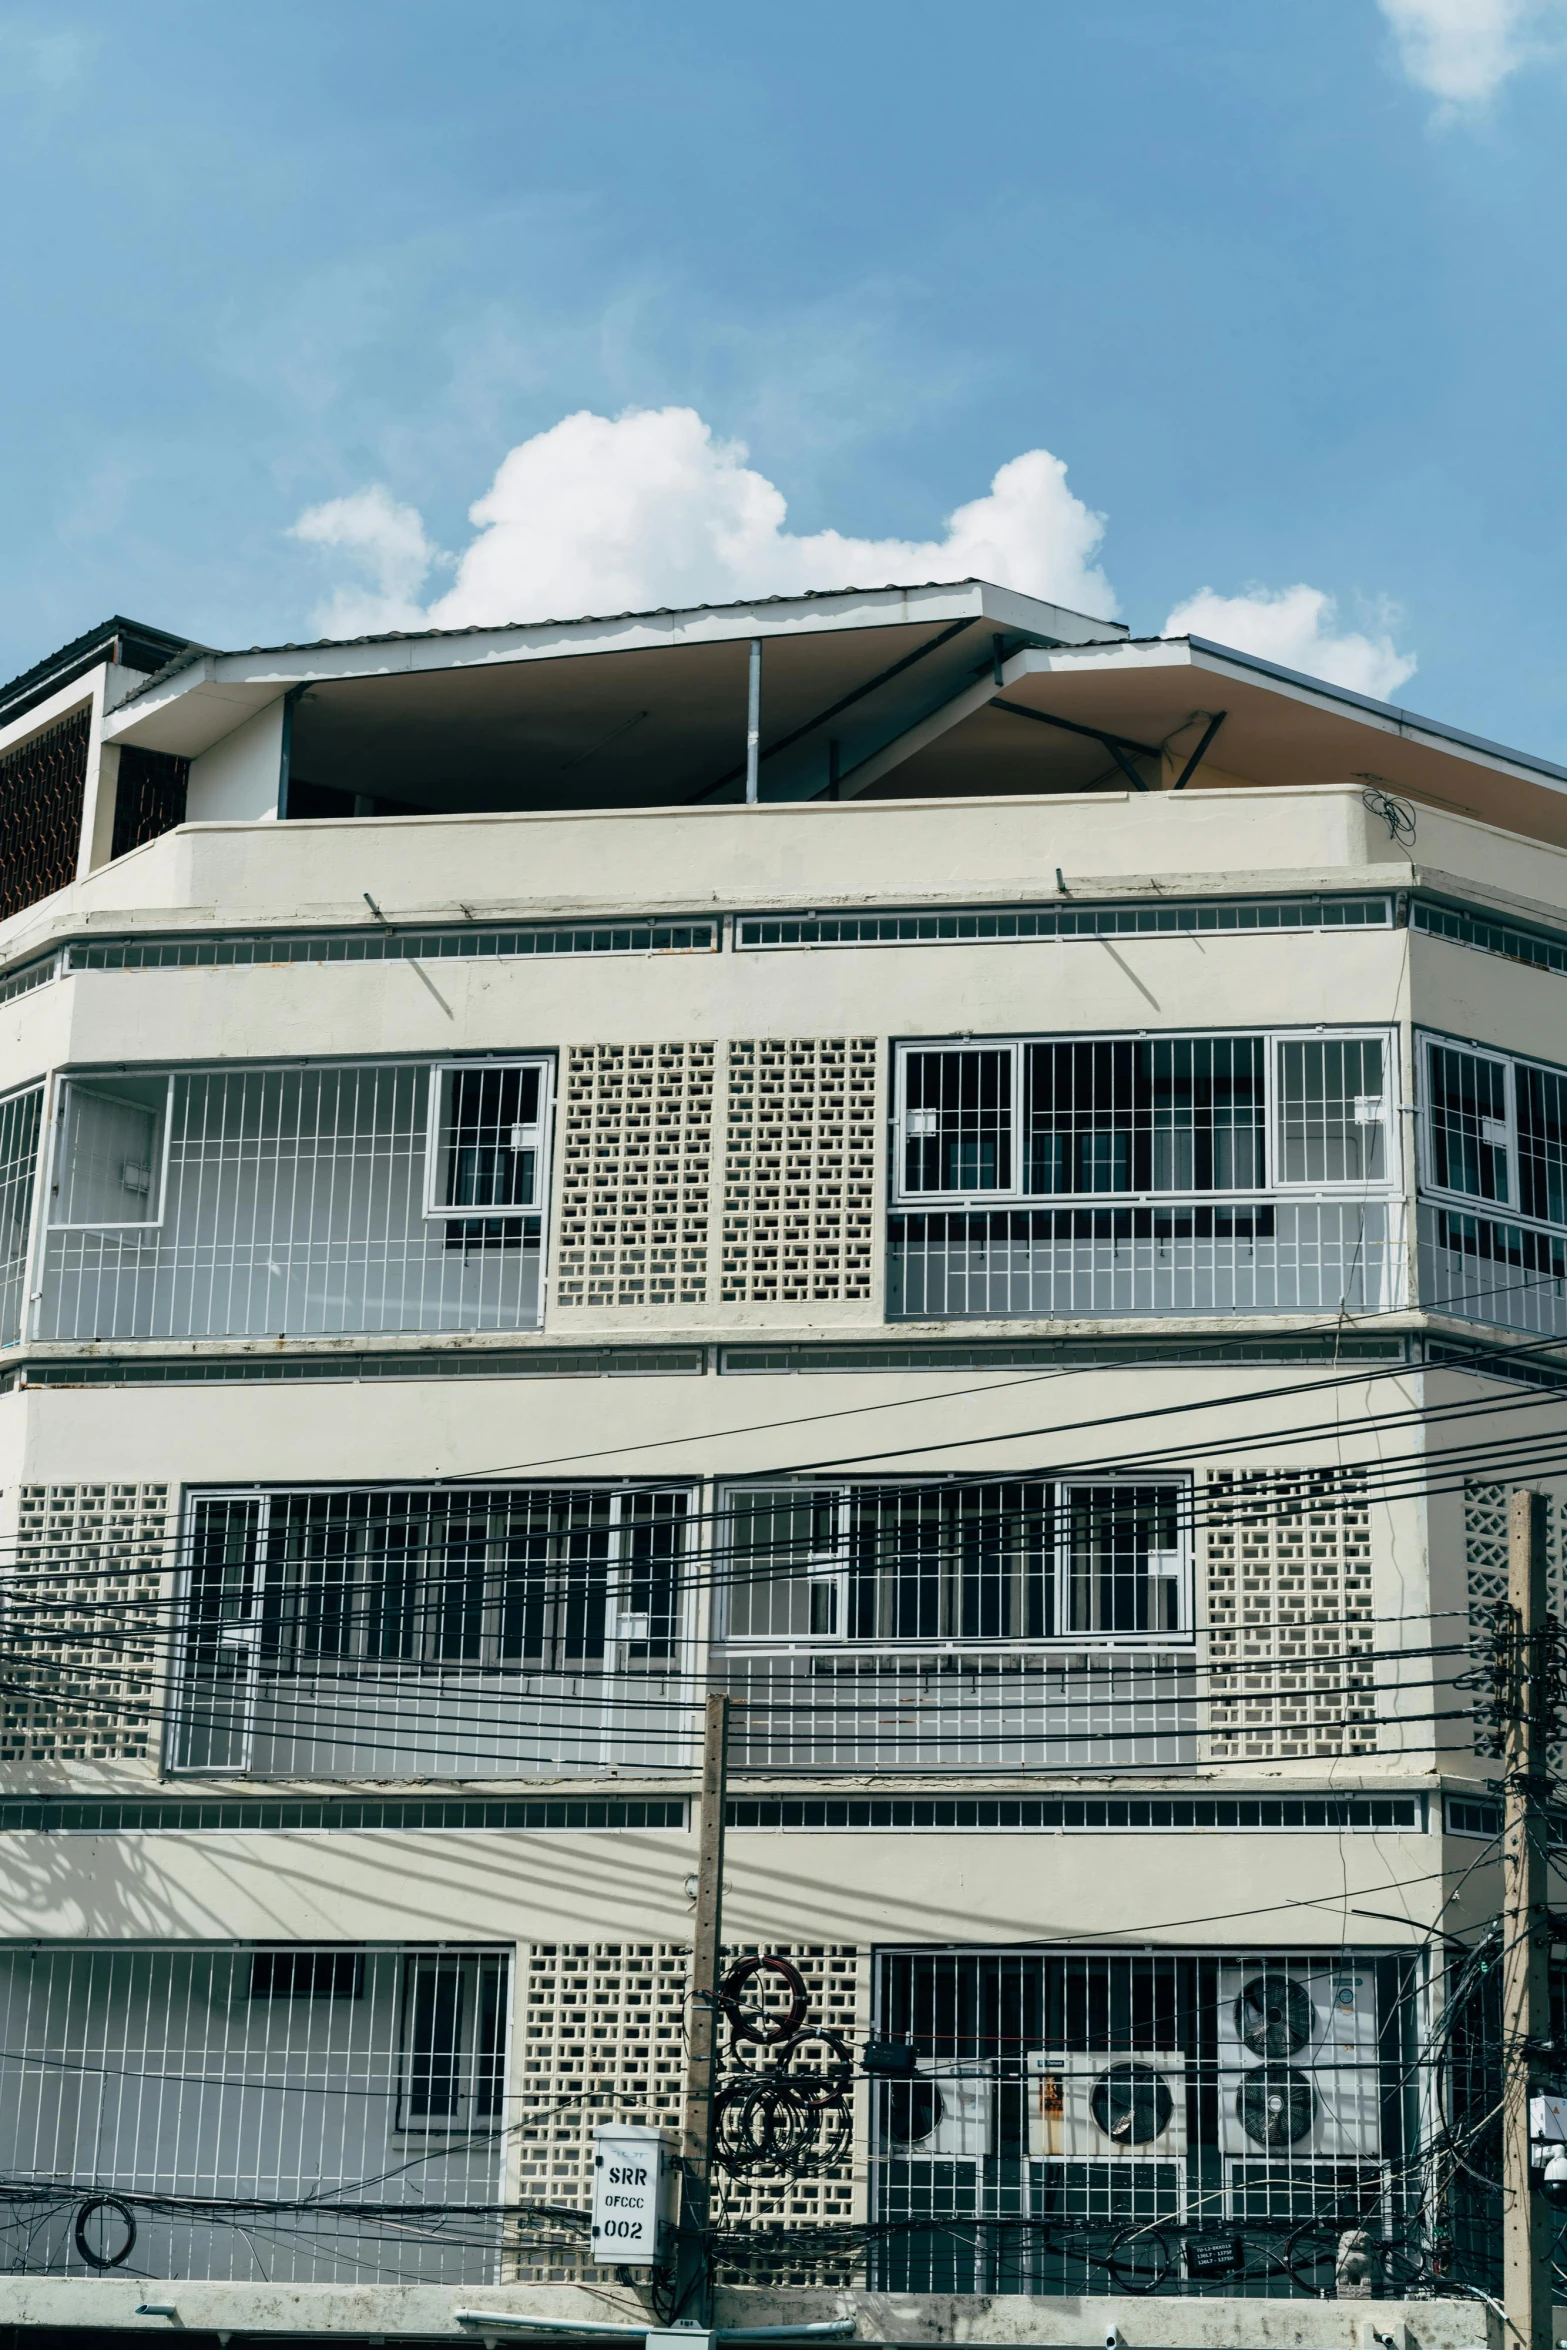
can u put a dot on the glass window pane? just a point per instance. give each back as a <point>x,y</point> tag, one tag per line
<point>928,1563</point>
<point>1332,1110</point>
<point>1467,1119</point>
<point>958,1121</point>
<point>490,1138</point>
<point>111,1151</point>
<point>1120,1560</point>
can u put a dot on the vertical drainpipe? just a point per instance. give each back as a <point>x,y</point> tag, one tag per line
<point>753,727</point>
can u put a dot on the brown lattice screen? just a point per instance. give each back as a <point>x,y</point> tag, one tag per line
<point>43,786</point>
<point>151,796</point>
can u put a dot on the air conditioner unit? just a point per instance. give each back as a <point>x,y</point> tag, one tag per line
<point>1298,2061</point>
<point>945,2113</point>
<point>1131,2106</point>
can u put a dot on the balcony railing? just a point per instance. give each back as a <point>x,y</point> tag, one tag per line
<point>1272,1257</point>
<point>960,1709</point>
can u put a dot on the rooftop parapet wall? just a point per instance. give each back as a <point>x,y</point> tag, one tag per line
<point>820,855</point>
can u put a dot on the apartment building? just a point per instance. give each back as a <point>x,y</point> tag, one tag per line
<point>994,1190</point>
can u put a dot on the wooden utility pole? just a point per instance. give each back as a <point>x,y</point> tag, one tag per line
<point>1526,2000</point>
<point>693,2292</point>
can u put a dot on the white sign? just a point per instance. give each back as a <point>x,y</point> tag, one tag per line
<point>633,2172</point>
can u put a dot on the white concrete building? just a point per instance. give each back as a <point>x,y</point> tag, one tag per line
<point>1017,1224</point>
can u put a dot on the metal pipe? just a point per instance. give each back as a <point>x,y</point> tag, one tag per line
<point>753,727</point>
<point>542,2325</point>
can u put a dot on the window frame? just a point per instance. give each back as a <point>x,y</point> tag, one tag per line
<point>1271,1185</point>
<point>471,1967</point>
<point>67,1083</point>
<point>1054,1552</point>
<point>1434,1040</point>
<point>443,1074</point>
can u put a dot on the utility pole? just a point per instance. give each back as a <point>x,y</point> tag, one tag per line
<point>1529,1685</point>
<point>693,2297</point>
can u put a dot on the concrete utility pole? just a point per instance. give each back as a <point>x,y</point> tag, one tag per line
<point>694,2290</point>
<point>1526,2000</point>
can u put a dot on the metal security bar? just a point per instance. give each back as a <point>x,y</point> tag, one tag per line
<point>515,1632</point>
<point>289,2115</point>
<point>227,1203</point>
<point>1090,2122</point>
<point>1207,1174</point>
<point>916,1626</point>
<point>43,789</point>
<point>1286,1257</point>
<point>21,1118</point>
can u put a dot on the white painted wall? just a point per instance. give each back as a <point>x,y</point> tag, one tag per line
<point>239,777</point>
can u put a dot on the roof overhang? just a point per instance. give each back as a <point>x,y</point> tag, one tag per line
<point>1153,699</point>
<point>195,702</point>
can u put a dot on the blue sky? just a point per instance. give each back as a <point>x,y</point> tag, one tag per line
<point>1278,288</point>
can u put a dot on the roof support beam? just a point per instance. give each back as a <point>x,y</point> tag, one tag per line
<point>1116,744</point>
<point>1196,759</point>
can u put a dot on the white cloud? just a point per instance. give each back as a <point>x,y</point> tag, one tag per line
<point>600,515</point>
<point>603,515</point>
<point>1463,50</point>
<point>1298,628</point>
<point>383,539</point>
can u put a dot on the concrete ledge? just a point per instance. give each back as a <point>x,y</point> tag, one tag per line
<point>425,2312</point>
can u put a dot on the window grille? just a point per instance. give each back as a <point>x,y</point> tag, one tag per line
<point>1222,1154</point>
<point>83,1630</point>
<point>1061,2097</point>
<point>247,2091</point>
<point>514,1632</point>
<point>939,1626</point>
<point>799,1169</point>
<point>43,790</point>
<point>1025,1560</point>
<point>21,1120</point>
<point>149,796</point>
<point>1495,1135</point>
<point>636,1175</point>
<point>1290,1616</point>
<point>231,1203</point>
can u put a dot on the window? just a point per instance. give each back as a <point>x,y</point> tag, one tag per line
<point>1469,1126</point>
<point>1332,1110</point>
<point>1023,1559</point>
<point>307,1200</point>
<point>487,1150</point>
<point>557,1580</point>
<point>454,2042</point>
<point>307,1974</point>
<point>1151,1118</point>
<point>109,1151</point>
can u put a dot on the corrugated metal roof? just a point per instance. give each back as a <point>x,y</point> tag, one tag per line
<point>18,689</point>
<point>415,636</point>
